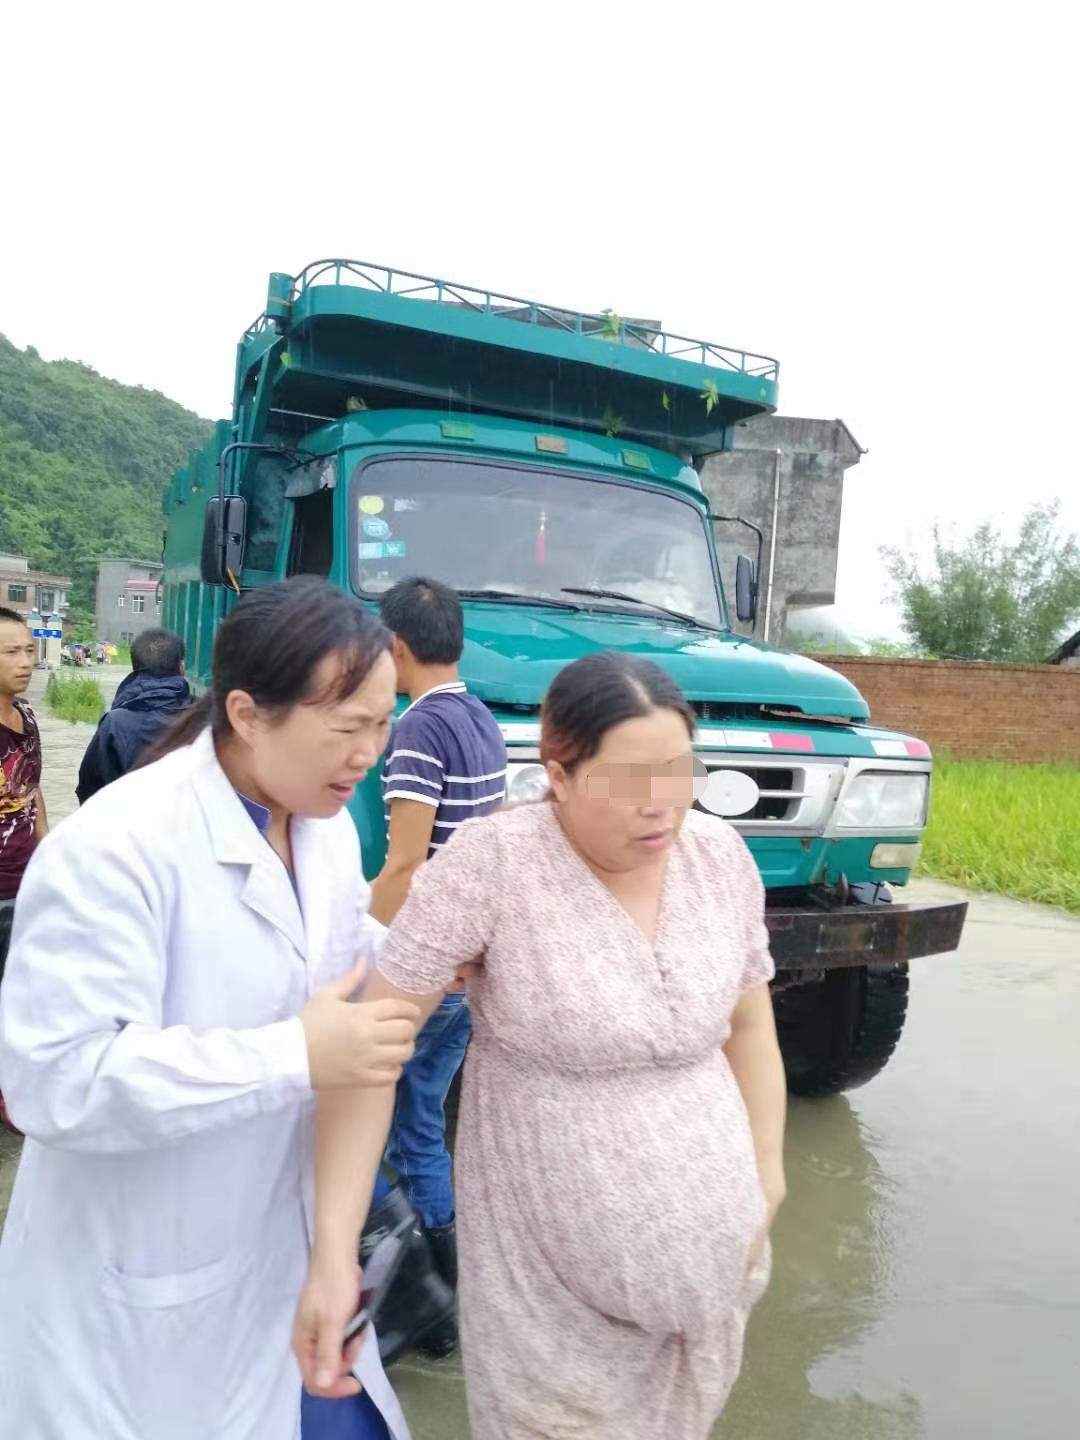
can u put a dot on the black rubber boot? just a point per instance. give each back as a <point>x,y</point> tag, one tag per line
<point>421,1302</point>
<point>443,1340</point>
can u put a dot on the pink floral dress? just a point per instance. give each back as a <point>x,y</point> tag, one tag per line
<point>608,1199</point>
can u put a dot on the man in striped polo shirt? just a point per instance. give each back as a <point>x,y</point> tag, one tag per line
<point>445,764</point>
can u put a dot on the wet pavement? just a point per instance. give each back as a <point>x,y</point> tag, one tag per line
<point>927,1278</point>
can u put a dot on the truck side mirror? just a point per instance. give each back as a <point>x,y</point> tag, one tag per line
<point>746,590</point>
<point>747,571</point>
<point>224,534</point>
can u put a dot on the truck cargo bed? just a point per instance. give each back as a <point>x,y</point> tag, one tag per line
<point>346,332</point>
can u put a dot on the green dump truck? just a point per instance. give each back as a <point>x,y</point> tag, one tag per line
<point>545,463</point>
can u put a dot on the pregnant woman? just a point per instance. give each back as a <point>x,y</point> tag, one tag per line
<point>619,1151</point>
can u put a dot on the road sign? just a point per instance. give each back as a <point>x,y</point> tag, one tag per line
<point>47,634</point>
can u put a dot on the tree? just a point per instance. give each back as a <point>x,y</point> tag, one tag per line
<point>83,463</point>
<point>886,649</point>
<point>987,598</point>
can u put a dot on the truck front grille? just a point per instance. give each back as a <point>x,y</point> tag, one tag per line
<point>778,793</point>
<point>792,795</point>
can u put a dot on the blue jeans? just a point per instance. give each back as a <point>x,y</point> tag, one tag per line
<point>352,1419</point>
<point>417,1145</point>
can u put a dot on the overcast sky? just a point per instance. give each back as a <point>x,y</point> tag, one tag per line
<point>882,196</point>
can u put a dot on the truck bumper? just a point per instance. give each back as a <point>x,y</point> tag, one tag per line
<point>813,939</point>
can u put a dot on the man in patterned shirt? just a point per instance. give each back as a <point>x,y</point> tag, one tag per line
<point>22,810</point>
<point>445,764</point>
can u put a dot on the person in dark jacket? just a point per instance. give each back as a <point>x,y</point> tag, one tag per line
<point>144,704</point>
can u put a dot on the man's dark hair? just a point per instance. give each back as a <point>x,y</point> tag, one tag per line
<point>427,616</point>
<point>12,615</point>
<point>157,652</point>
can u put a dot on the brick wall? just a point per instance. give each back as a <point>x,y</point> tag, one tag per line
<point>971,709</point>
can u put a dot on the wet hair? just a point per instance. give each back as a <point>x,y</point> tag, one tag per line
<point>157,652</point>
<point>270,645</point>
<point>598,692</point>
<point>12,616</point>
<point>427,616</point>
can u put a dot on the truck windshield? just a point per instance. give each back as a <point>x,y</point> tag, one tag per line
<point>478,526</point>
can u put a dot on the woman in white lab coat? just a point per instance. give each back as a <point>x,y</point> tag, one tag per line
<point>178,989</point>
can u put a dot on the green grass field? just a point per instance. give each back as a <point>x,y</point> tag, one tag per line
<point>70,697</point>
<point>1014,829</point>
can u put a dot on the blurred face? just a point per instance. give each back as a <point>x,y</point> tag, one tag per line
<point>18,655</point>
<point>310,761</point>
<point>625,806</point>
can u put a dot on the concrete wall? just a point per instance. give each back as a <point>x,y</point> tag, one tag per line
<point>814,454</point>
<point>43,592</point>
<point>971,709</point>
<point>119,624</point>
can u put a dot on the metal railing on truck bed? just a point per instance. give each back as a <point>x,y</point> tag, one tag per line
<point>346,334</point>
<point>605,326</point>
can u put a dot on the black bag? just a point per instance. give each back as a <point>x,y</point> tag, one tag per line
<point>419,1302</point>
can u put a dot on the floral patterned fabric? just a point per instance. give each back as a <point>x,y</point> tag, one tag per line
<point>608,1199</point>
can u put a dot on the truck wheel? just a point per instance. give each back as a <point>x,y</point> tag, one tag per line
<point>839,1032</point>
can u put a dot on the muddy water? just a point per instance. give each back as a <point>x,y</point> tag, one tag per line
<point>928,1284</point>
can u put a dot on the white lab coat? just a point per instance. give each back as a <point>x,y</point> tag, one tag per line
<point>150,1048</point>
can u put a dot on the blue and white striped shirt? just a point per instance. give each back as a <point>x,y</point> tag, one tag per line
<point>447,751</point>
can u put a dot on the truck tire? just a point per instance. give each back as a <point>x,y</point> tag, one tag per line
<point>839,1032</point>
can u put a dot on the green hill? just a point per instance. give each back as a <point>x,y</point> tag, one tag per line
<point>83,463</point>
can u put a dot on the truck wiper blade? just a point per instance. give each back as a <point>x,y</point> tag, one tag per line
<point>520,599</point>
<point>636,600</point>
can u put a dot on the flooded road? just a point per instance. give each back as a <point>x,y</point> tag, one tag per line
<point>927,1277</point>
<point>928,1286</point>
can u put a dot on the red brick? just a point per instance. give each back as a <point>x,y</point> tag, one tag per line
<point>971,709</point>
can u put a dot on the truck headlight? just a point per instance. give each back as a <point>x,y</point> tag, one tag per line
<point>525,783</point>
<point>884,800</point>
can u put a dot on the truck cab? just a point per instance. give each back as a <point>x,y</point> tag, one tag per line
<point>545,464</point>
